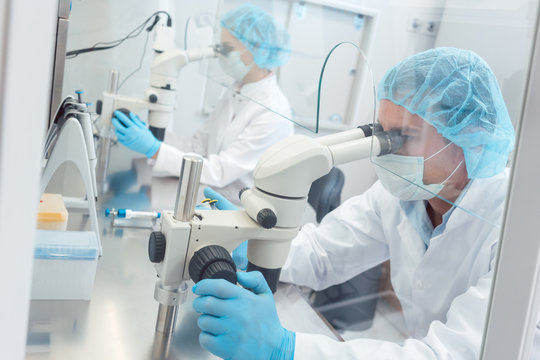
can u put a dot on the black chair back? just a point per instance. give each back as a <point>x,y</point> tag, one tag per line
<point>325,193</point>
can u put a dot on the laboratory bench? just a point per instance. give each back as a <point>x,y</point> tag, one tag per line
<point>119,320</point>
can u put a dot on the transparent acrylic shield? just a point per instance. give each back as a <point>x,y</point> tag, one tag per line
<point>335,78</point>
<point>295,62</point>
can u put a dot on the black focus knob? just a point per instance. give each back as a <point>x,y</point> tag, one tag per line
<point>156,247</point>
<point>266,218</point>
<point>153,98</point>
<point>212,262</point>
<point>241,192</point>
<point>124,111</point>
<point>99,107</point>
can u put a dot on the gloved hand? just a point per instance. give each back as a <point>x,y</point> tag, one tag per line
<point>133,134</point>
<point>239,324</point>
<point>239,254</point>
<point>222,202</point>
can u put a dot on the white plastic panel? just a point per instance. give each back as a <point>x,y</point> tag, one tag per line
<point>512,331</point>
<point>27,54</point>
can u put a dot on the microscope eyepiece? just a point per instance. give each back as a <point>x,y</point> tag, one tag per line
<point>391,141</point>
<point>223,49</point>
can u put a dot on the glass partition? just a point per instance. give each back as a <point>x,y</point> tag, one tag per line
<point>292,42</point>
<point>413,256</point>
<point>448,105</point>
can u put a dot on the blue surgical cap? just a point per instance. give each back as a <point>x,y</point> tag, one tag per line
<point>268,42</point>
<point>455,91</point>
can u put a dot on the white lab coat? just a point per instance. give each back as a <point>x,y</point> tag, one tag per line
<point>235,136</point>
<point>444,290</point>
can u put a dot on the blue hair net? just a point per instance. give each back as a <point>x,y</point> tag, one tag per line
<point>268,42</point>
<point>455,91</point>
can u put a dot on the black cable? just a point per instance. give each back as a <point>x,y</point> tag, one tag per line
<point>140,62</point>
<point>132,34</point>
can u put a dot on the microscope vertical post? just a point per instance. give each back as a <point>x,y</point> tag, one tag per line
<point>186,197</point>
<point>105,140</point>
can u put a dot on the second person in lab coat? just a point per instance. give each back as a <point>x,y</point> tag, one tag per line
<point>245,122</point>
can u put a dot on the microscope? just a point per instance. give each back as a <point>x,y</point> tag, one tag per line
<point>196,245</point>
<point>159,98</point>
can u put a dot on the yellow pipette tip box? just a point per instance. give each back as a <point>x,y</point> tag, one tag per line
<point>52,213</point>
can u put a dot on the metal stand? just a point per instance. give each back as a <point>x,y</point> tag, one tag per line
<point>169,297</point>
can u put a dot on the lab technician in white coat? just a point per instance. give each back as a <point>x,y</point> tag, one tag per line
<point>447,103</point>
<point>245,122</point>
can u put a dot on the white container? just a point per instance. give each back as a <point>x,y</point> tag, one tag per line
<point>64,265</point>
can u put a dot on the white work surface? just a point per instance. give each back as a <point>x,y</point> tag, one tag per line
<point>118,323</point>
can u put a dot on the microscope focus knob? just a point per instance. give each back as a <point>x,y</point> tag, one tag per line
<point>267,218</point>
<point>156,247</point>
<point>212,262</point>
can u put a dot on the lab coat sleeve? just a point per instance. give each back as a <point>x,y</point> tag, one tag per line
<point>237,159</point>
<point>347,242</point>
<point>169,159</point>
<point>460,337</point>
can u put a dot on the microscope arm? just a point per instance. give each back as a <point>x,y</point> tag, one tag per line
<point>285,172</point>
<point>226,228</point>
<point>167,65</point>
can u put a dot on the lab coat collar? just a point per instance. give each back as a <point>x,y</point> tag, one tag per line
<point>258,89</point>
<point>417,215</point>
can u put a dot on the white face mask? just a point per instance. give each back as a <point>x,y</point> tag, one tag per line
<point>411,168</point>
<point>233,66</point>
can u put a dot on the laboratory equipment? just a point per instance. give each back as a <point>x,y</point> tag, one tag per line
<point>197,245</point>
<point>64,8</point>
<point>65,261</point>
<point>65,264</point>
<point>52,213</point>
<point>159,98</point>
<point>131,214</point>
<point>71,108</point>
<point>211,202</point>
<point>70,139</point>
<point>127,218</point>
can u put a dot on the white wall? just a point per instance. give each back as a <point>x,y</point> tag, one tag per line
<point>25,84</point>
<point>499,31</point>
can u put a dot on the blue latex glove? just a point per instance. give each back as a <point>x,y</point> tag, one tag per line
<point>133,134</point>
<point>239,254</point>
<point>239,324</point>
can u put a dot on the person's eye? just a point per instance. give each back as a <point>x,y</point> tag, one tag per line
<point>408,137</point>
